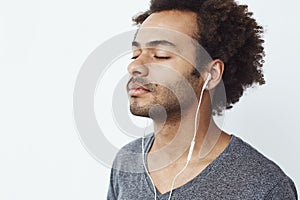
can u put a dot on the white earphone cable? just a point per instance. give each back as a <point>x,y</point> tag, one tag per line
<point>194,137</point>
<point>144,163</point>
<point>191,146</point>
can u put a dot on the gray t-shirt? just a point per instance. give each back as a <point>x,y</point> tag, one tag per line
<point>239,172</point>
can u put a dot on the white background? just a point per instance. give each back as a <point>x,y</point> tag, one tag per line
<point>42,47</point>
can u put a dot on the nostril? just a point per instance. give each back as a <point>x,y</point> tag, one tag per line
<point>136,73</point>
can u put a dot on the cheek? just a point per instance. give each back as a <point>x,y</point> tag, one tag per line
<point>166,73</point>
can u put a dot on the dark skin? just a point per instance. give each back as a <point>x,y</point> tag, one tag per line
<point>229,33</point>
<point>179,123</point>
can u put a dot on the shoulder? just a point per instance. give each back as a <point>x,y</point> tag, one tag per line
<point>252,171</point>
<point>135,146</point>
<point>129,157</point>
<point>251,162</point>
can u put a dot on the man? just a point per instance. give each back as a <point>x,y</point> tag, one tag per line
<point>174,83</point>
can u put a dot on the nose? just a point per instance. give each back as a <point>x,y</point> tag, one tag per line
<point>138,68</point>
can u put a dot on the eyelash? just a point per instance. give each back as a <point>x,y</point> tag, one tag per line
<point>161,57</point>
<point>157,57</point>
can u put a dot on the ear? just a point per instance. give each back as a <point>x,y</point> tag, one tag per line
<point>216,69</point>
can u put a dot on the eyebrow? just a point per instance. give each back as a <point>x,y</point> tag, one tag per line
<point>156,43</point>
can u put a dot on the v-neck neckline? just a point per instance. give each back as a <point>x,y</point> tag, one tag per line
<point>201,175</point>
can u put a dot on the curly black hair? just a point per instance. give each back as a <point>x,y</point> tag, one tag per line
<point>229,33</point>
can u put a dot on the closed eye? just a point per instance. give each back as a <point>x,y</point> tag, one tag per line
<point>162,57</point>
<point>134,57</point>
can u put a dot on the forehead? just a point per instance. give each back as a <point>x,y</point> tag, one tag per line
<point>176,27</point>
<point>184,22</point>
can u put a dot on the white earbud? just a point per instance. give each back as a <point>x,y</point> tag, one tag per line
<point>208,78</point>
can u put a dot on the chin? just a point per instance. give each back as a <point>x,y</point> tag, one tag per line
<point>139,111</point>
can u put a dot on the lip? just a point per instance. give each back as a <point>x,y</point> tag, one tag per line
<point>136,89</point>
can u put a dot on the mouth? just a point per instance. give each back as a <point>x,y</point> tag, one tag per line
<point>137,90</point>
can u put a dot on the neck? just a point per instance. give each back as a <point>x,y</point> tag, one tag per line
<point>174,135</point>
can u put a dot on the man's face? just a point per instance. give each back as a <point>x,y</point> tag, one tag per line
<point>163,64</point>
